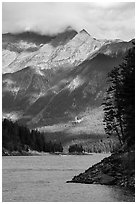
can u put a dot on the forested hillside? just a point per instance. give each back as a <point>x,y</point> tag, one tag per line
<point>19,138</point>
<point>119,108</point>
<point>119,102</point>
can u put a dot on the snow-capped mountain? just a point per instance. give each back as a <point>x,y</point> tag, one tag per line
<point>51,80</point>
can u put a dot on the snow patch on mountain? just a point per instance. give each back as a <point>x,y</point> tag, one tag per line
<point>14,115</point>
<point>75,83</point>
<point>7,58</point>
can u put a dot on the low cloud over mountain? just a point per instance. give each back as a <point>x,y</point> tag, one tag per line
<point>53,80</point>
<point>52,18</point>
<point>55,60</point>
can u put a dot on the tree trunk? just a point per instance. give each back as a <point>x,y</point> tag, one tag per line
<point>119,137</point>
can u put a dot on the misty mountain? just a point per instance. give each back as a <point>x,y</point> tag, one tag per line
<point>31,41</point>
<point>48,81</point>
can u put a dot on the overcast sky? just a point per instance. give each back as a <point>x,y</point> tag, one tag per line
<point>101,20</point>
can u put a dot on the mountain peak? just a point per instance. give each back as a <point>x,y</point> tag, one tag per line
<point>83,31</point>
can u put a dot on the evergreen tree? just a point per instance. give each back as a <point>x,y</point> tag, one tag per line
<point>17,138</point>
<point>119,101</point>
<point>128,96</point>
<point>76,148</point>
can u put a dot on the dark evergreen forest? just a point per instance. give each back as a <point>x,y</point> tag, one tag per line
<point>17,138</point>
<point>119,102</point>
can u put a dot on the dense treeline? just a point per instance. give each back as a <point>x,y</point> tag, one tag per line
<point>76,149</point>
<point>105,146</point>
<point>17,138</point>
<point>119,102</point>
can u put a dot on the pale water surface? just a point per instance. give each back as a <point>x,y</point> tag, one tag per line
<point>43,178</point>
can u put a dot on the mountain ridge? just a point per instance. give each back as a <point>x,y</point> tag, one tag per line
<point>59,81</point>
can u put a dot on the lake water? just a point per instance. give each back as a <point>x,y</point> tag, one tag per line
<point>43,179</point>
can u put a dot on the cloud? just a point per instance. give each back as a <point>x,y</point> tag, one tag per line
<point>101,20</point>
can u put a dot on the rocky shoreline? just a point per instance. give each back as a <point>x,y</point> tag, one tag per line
<point>118,169</point>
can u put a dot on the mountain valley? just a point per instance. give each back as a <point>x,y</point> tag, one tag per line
<point>57,83</point>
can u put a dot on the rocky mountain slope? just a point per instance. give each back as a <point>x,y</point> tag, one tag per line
<point>57,80</point>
